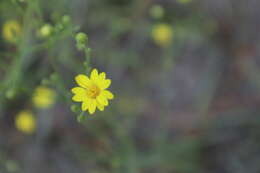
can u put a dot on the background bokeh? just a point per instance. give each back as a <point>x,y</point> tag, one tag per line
<point>186,103</point>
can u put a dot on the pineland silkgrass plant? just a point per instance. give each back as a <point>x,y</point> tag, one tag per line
<point>92,91</point>
<point>34,70</point>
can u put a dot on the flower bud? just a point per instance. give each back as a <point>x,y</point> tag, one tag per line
<point>74,108</point>
<point>45,30</point>
<point>10,94</point>
<point>54,77</point>
<point>157,12</point>
<point>66,19</point>
<point>45,82</point>
<point>81,38</point>
<point>81,117</point>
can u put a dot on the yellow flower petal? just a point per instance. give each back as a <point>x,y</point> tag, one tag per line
<point>102,100</point>
<point>108,94</point>
<point>83,81</point>
<point>94,75</point>
<point>80,94</point>
<point>100,107</point>
<point>78,90</point>
<point>92,106</point>
<point>106,84</point>
<point>84,106</point>
<point>77,98</point>
<point>102,76</point>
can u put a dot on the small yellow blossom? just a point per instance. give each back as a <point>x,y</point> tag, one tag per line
<point>162,34</point>
<point>25,122</point>
<point>11,30</point>
<point>184,1</point>
<point>92,91</point>
<point>43,97</point>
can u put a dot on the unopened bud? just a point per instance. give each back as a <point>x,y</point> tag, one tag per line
<point>46,30</point>
<point>10,94</point>
<point>81,38</point>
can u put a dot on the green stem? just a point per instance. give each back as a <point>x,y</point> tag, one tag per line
<point>87,52</point>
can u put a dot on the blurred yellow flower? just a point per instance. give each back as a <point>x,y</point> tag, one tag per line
<point>11,30</point>
<point>43,97</point>
<point>162,34</point>
<point>92,91</point>
<point>25,122</point>
<point>184,1</point>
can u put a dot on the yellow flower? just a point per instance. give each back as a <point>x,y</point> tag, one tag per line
<point>43,97</point>
<point>162,34</point>
<point>92,91</point>
<point>25,122</point>
<point>184,1</point>
<point>11,30</point>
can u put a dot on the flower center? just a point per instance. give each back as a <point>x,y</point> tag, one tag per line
<point>93,91</point>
